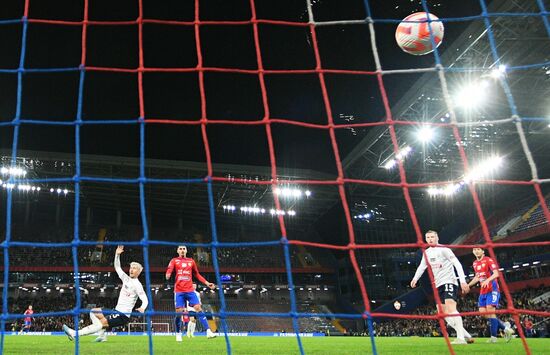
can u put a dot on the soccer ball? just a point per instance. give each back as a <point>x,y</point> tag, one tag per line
<point>414,37</point>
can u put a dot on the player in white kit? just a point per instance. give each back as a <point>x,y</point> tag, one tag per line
<point>443,263</point>
<point>192,319</point>
<point>130,291</point>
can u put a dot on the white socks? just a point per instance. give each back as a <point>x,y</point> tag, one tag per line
<point>95,327</point>
<point>94,318</point>
<point>91,329</point>
<point>456,323</point>
<point>191,327</point>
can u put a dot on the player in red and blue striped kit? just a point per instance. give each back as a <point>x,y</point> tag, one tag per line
<point>486,272</point>
<point>27,321</point>
<point>184,293</point>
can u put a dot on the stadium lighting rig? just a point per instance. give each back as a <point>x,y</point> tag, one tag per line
<point>482,170</point>
<point>425,134</point>
<point>289,193</point>
<point>13,171</point>
<point>59,191</point>
<point>255,210</point>
<point>400,156</point>
<point>498,72</point>
<point>472,95</point>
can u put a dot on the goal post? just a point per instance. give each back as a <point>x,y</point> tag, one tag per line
<point>156,327</point>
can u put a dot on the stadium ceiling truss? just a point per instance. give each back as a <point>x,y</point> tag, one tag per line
<point>188,200</point>
<point>520,41</point>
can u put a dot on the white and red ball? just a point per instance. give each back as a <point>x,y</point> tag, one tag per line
<point>414,37</point>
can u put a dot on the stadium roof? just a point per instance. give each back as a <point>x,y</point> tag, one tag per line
<point>300,154</point>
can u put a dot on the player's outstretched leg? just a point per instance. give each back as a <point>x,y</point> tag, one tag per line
<point>508,332</point>
<point>202,318</point>
<point>102,337</point>
<point>70,332</point>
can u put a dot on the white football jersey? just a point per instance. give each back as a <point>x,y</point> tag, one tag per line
<point>130,291</point>
<point>443,263</point>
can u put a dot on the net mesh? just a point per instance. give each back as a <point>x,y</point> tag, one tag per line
<point>341,182</point>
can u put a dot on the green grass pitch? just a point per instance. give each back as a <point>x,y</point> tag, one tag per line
<point>53,345</point>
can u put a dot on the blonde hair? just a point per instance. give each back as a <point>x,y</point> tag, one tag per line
<point>432,232</point>
<point>137,265</point>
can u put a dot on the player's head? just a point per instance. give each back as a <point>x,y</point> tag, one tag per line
<point>182,251</point>
<point>30,306</point>
<point>135,269</point>
<point>432,238</point>
<point>478,252</point>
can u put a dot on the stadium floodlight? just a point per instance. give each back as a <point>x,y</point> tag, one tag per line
<point>471,96</point>
<point>425,134</point>
<point>390,164</point>
<point>484,168</point>
<point>498,72</point>
<point>288,192</point>
<point>402,154</point>
<point>536,262</point>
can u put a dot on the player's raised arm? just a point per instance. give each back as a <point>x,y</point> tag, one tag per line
<point>200,278</point>
<point>419,271</point>
<point>118,269</point>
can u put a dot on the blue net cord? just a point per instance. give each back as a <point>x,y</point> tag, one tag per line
<point>142,180</point>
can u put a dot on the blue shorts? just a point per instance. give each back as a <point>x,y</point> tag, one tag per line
<point>489,299</point>
<point>28,323</point>
<point>180,299</point>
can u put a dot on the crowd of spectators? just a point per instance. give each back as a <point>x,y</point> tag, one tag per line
<point>244,257</point>
<point>533,326</point>
<point>476,325</point>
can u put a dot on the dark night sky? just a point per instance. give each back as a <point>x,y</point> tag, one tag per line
<point>229,96</point>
